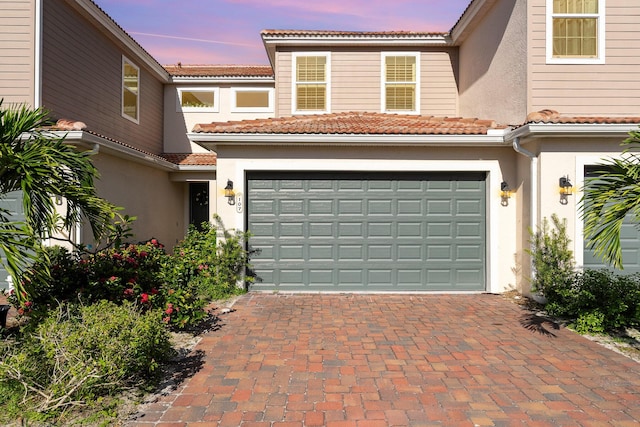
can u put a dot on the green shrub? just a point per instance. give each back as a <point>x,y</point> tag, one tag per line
<point>209,266</point>
<point>552,260</point>
<point>77,354</point>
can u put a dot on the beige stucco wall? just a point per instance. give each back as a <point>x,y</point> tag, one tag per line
<point>177,123</point>
<point>608,89</point>
<point>492,81</point>
<point>144,192</point>
<point>356,80</point>
<point>17,52</point>
<point>499,163</point>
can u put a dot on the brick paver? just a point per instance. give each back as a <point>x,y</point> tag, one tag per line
<point>295,360</point>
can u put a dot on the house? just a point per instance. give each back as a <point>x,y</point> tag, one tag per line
<point>359,161</point>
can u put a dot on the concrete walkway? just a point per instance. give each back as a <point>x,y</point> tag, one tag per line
<point>397,360</point>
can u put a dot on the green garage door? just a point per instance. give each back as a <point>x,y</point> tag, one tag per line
<point>368,232</point>
<point>13,203</point>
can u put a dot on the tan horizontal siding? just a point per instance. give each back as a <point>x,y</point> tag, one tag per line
<point>83,80</point>
<point>17,51</point>
<point>356,81</point>
<point>612,88</point>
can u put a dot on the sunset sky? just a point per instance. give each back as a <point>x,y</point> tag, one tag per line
<point>228,31</point>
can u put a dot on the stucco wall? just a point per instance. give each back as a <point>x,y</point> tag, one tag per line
<point>499,163</point>
<point>144,192</point>
<point>492,81</point>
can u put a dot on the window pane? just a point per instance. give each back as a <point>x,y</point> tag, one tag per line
<point>198,99</point>
<point>310,97</point>
<point>400,97</point>
<point>311,68</point>
<point>252,99</point>
<point>130,103</point>
<point>575,6</point>
<point>131,77</point>
<point>400,68</point>
<point>575,37</point>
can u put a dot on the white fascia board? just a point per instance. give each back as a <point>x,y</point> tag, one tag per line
<point>90,9</point>
<point>435,40</point>
<point>219,80</point>
<point>469,18</point>
<point>197,168</point>
<point>211,140</point>
<point>79,137</point>
<point>571,130</point>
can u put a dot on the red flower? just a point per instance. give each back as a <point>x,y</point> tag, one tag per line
<point>144,298</point>
<point>113,278</point>
<point>132,280</point>
<point>154,242</point>
<point>142,254</point>
<point>166,319</point>
<point>28,304</point>
<point>154,291</point>
<point>128,292</point>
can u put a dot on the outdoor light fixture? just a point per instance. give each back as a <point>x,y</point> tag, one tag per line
<point>229,193</point>
<point>505,193</point>
<point>566,189</point>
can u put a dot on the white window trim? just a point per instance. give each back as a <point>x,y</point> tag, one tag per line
<point>294,61</point>
<point>383,82</point>
<point>600,59</point>
<point>236,109</point>
<point>126,60</point>
<point>216,100</point>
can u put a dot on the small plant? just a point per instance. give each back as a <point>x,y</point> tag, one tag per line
<point>552,260</point>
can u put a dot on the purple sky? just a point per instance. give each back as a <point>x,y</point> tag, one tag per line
<point>228,31</point>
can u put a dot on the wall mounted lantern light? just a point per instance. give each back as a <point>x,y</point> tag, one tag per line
<point>566,189</point>
<point>505,193</point>
<point>229,193</point>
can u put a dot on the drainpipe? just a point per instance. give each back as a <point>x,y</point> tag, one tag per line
<point>533,197</point>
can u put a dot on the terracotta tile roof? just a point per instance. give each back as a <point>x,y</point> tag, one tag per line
<point>182,70</point>
<point>338,33</point>
<point>191,159</point>
<point>553,117</point>
<point>356,123</point>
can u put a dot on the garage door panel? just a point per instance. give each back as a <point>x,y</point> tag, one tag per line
<point>378,232</point>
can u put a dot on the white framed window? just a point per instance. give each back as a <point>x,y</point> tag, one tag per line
<point>198,99</point>
<point>130,91</point>
<point>575,31</point>
<point>400,82</point>
<point>252,100</point>
<point>311,83</point>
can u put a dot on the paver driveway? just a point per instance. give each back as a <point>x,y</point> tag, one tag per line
<point>382,360</point>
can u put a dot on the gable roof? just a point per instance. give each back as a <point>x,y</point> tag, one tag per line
<point>355,123</point>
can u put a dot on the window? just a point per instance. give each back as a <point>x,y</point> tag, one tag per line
<point>130,90</point>
<point>311,83</point>
<point>400,82</point>
<point>204,100</point>
<point>255,100</point>
<point>575,31</point>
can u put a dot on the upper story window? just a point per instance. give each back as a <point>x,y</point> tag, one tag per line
<point>575,31</point>
<point>130,90</point>
<point>400,88</point>
<point>252,100</point>
<point>203,100</point>
<point>311,82</point>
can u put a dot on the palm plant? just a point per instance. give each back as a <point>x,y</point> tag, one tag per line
<point>609,196</point>
<point>42,167</point>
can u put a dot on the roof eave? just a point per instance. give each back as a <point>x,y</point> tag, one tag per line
<point>234,80</point>
<point>210,141</point>
<point>469,19</point>
<point>104,145</point>
<point>582,130</point>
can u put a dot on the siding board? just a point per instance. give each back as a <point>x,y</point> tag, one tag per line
<point>83,80</point>
<point>612,88</point>
<point>17,51</point>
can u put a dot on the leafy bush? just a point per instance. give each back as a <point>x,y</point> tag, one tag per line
<point>207,265</point>
<point>551,257</point>
<point>600,300</point>
<point>77,354</point>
